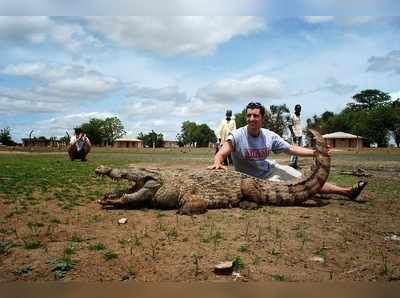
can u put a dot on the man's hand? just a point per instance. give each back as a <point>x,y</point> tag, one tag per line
<point>224,151</point>
<point>217,166</point>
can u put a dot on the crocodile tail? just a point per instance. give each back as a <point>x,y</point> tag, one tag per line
<point>289,194</point>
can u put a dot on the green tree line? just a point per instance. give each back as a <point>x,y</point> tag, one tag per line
<point>275,119</point>
<point>199,135</point>
<point>152,139</point>
<point>103,131</point>
<point>373,115</point>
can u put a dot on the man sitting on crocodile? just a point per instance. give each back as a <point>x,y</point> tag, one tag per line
<point>251,184</point>
<point>251,145</point>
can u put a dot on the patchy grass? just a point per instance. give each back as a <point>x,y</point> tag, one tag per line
<point>48,202</point>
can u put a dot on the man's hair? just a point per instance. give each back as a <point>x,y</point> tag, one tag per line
<point>297,106</point>
<point>256,105</point>
<point>78,130</point>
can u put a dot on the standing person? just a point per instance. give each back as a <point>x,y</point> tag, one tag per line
<point>296,132</point>
<point>251,145</point>
<point>227,126</point>
<point>79,145</point>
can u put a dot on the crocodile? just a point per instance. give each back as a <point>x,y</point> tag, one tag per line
<point>196,191</point>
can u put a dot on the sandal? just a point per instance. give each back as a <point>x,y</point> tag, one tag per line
<point>357,189</point>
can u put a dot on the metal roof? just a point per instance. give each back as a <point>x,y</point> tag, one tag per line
<point>340,135</point>
<point>128,140</point>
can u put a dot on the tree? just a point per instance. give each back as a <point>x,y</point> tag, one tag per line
<point>5,137</point>
<point>204,135</point>
<point>372,118</point>
<point>397,137</point>
<point>188,133</point>
<point>100,131</point>
<point>368,99</point>
<point>274,120</point>
<point>152,139</point>
<point>65,139</point>
<point>113,129</point>
<point>192,134</point>
<point>240,119</point>
<point>94,130</point>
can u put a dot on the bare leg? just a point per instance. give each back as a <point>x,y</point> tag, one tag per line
<point>350,192</point>
<point>330,188</point>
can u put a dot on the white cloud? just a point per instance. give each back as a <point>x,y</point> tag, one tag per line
<point>318,19</point>
<point>336,87</point>
<point>129,7</point>
<point>57,126</point>
<point>234,90</point>
<point>341,20</point>
<point>208,99</point>
<point>63,79</point>
<point>24,29</point>
<point>149,107</point>
<point>388,63</point>
<point>90,84</point>
<point>171,109</point>
<point>174,35</point>
<point>54,87</point>
<point>37,30</point>
<point>13,101</point>
<point>332,85</point>
<point>356,20</point>
<point>42,71</point>
<point>395,95</point>
<point>350,7</point>
<point>163,93</point>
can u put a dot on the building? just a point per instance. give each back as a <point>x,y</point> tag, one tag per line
<point>43,142</point>
<point>343,140</point>
<point>128,143</point>
<point>170,144</point>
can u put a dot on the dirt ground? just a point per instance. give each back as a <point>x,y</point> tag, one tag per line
<point>339,240</point>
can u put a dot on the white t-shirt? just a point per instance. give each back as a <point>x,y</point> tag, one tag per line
<point>225,128</point>
<point>80,143</point>
<point>250,153</point>
<point>295,122</point>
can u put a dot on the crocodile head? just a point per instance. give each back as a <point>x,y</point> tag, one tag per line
<point>143,184</point>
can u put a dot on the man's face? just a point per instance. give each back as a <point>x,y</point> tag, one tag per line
<point>254,119</point>
<point>297,109</point>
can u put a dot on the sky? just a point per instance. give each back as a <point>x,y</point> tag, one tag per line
<point>155,72</point>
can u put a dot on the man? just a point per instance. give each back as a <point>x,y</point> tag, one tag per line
<point>296,132</point>
<point>251,145</point>
<point>79,145</point>
<point>227,126</point>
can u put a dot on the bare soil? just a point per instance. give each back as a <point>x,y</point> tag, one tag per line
<point>338,240</point>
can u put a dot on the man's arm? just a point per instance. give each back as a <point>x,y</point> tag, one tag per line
<point>88,141</point>
<point>219,131</point>
<point>226,149</point>
<point>72,142</point>
<point>290,125</point>
<point>300,151</point>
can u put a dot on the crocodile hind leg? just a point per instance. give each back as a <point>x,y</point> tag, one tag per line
<point>193,204</point>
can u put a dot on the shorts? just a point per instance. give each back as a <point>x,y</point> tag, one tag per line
<point>280,173</point>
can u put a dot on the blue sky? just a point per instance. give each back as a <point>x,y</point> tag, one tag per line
<point>155,72</point>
